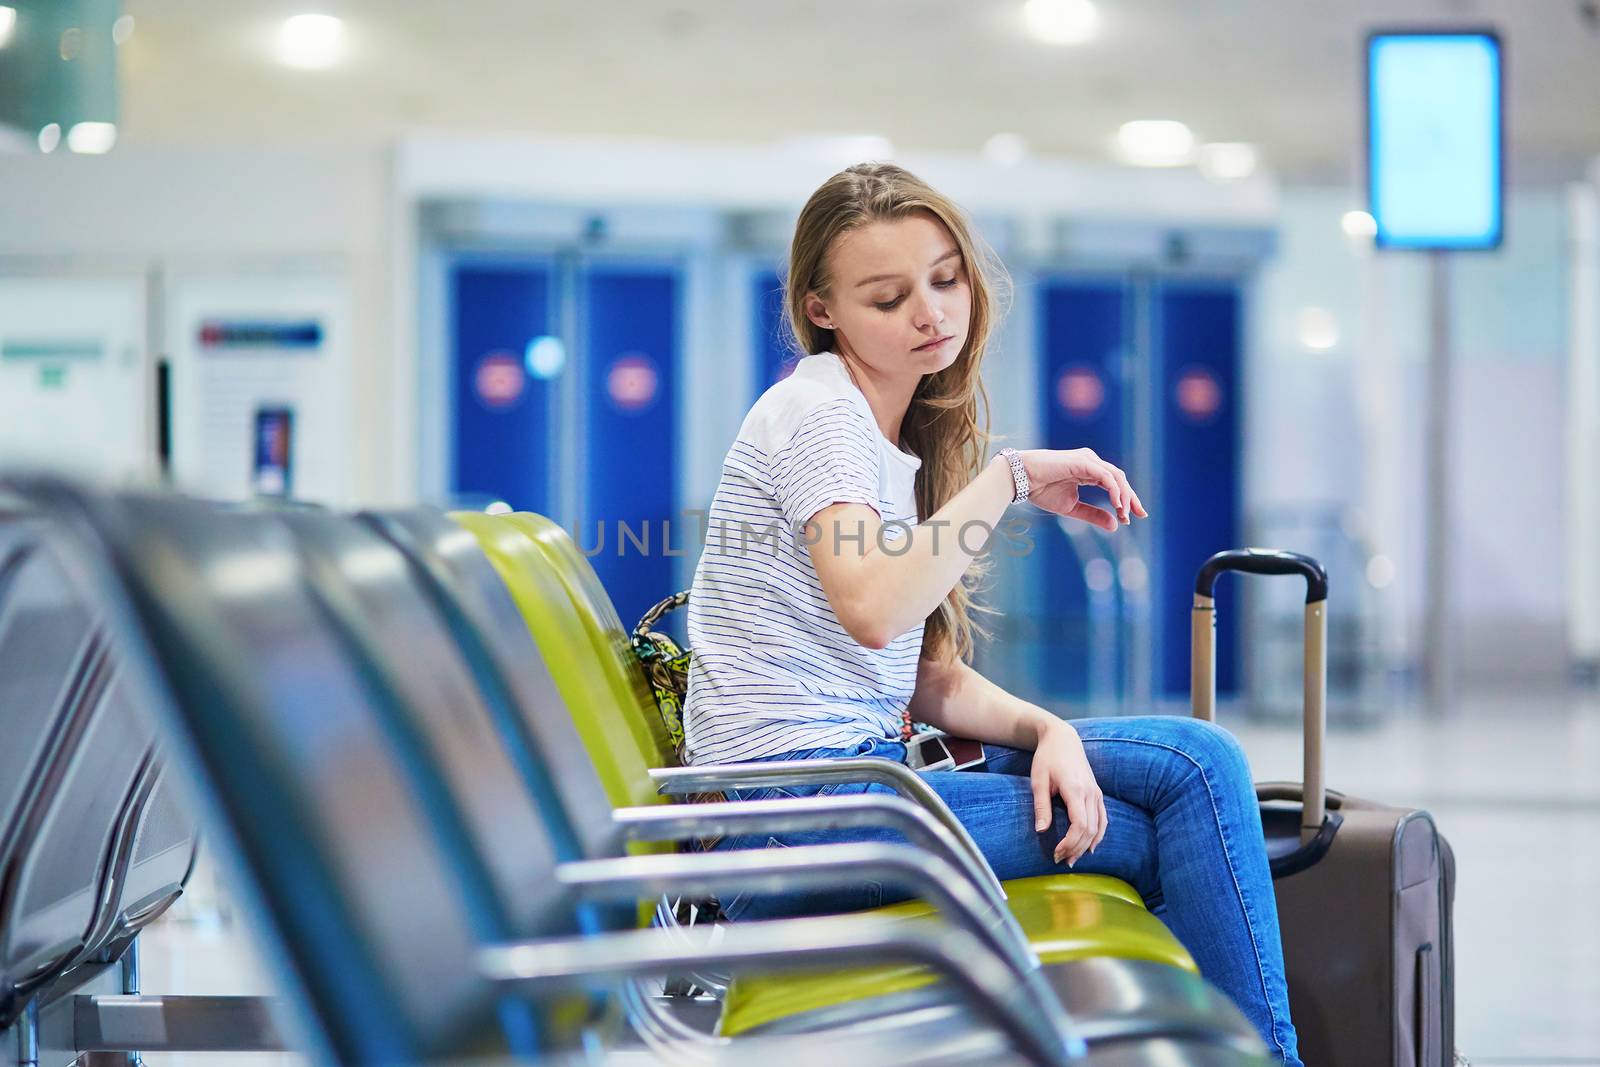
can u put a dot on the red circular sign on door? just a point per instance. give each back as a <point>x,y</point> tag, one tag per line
<point>1199,394</point>
<point>632,382</point>
<point>500,380</point>
<point>1080,391</point>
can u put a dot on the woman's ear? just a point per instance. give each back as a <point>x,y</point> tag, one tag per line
<point>817,312</point>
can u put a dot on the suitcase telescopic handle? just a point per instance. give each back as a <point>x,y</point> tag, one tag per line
<point>1203,670</point>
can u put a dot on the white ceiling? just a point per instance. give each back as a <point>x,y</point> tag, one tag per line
<point>928,74</point>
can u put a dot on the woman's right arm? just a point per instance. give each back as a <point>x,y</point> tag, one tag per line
<point>879,595</point>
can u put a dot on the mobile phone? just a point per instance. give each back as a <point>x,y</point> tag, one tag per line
<point>927,752</point>
<point>965,752</point>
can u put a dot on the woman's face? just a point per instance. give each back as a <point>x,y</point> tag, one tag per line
<point>900,297</point>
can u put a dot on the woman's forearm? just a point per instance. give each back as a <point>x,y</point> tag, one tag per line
<point>887,592</point>
<point>954,697</point>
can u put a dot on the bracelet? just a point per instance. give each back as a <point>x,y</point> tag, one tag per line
<point>1019,475</point>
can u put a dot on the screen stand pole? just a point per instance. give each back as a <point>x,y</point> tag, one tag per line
<point>1437,635</point>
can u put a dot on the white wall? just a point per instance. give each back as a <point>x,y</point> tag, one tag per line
<point>1583,423</point>
<point>1346,425</point>
<point>223,213</point>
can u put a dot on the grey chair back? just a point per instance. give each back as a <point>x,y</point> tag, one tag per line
<point>316,816</point>
<point>511,672</point>
<point>77,752</point>
<point>483,803</point>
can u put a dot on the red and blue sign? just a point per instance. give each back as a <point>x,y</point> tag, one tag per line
<point>1198,394</point>
<point>632,382</point>
<point>499,381</point>
<point>300,334</point>
<point>1080,391</point>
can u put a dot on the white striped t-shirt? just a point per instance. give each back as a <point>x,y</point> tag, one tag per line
<point>773,671</point>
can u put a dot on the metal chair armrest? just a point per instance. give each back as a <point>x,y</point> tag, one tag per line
<point>681,781</point>
<point>1021,1006</point>
<point>683,821</point>
<point>806,867</point>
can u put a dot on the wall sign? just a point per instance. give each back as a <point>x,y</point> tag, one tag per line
<point>500,381</point>
<point>1080,391</point>
<point>1199,395</point>
<point>1435,138</point>
<point>234,336</point>
<point>632,382</point>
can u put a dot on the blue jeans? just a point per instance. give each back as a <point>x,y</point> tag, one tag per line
<point>1184,830</point>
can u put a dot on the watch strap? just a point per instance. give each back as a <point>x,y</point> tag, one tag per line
<point>1019,475</point>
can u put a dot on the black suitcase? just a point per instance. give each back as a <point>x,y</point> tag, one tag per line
<point>1364,890</point>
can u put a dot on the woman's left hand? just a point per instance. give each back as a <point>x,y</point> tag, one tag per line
<point>1061,768</point>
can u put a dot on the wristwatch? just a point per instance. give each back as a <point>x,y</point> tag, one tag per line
<point>1019,476</point>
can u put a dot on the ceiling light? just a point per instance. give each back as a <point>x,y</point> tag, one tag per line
<point>122,29</point>
<point>1227,161</point>
<point>49,137</point>
<point>1155,143</point>
<point>8,22</point>
<point>1318,329</point>
<point>1061,21</point>
<point>311,42</point>
<point>92,138</point>
<point>1359,225</point>
<point>1005,149</point>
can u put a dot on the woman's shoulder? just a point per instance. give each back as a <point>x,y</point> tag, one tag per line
<point>815,383</point>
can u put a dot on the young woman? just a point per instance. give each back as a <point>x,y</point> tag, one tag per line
<point>833,598</point>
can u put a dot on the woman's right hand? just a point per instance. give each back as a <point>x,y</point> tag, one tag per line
<point>1055,476</point>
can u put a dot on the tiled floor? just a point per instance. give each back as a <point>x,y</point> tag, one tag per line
<point>1513,780</point>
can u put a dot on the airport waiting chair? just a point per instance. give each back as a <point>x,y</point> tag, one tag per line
<point>414,650</point>
<point>335,820</point>
<point>93,843</point>
<point>92,846</point>
<point>472,602</point>
<point>362,914</point>
<point>471,589</point>
<point>406,638</point>
<point>1095,921</point>
<point>464,594</point>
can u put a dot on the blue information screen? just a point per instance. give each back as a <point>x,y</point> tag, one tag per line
<point>1434,140</point>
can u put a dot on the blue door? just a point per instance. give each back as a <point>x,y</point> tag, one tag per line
<point>516,422</point>
<point>630,327</point>
<point>774,355</point>
<point>1083,346</point>
<point>501,412</point>
<point>1197,333</point>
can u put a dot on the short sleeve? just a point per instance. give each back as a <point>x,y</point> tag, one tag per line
<point>831,458</point>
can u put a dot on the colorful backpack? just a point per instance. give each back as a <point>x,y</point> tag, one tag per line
<point>665,665</point>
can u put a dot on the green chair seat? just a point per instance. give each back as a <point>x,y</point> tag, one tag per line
<point>1066,917</point>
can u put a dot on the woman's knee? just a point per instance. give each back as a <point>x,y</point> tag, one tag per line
<point>1212,748</point>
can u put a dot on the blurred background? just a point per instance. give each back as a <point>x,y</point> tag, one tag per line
<point>507,253</point>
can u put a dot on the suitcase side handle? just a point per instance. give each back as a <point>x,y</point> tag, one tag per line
<point>1203,666</point>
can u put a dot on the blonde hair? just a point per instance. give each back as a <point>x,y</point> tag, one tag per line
<point>947,425</point>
